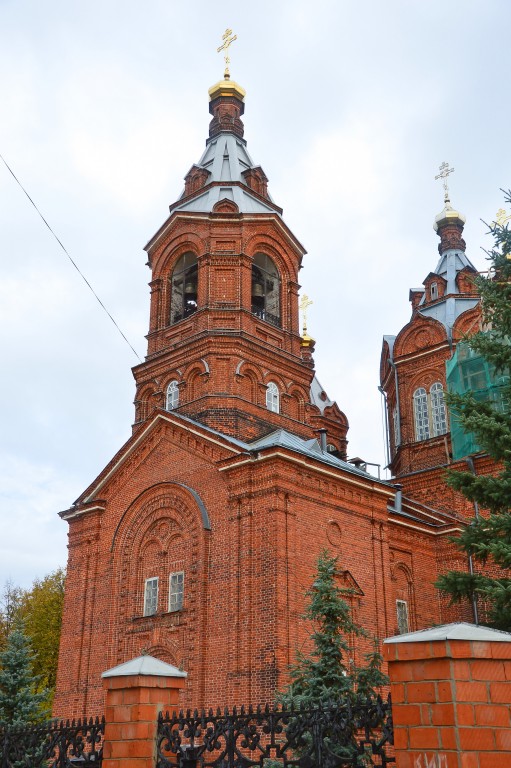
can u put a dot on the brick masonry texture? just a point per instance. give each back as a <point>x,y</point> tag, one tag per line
<point>451,703</point>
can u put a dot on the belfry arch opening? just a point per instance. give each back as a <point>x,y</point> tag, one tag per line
<point>184,282</point>
<point>265,289</point>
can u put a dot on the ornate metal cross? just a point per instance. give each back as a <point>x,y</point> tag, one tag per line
<point>305,302</point>
<point>501,217</point>
<point>444,173</point>
<point>228,38</point>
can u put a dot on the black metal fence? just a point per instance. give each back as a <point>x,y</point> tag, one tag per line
<point>53,744</point>
<point>340,735</point>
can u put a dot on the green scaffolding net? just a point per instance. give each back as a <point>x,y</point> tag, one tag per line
<point>467,371</point>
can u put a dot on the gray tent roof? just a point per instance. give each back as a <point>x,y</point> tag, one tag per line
<point>225,159</point>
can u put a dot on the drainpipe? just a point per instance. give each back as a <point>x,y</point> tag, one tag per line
<point>398,405</point>
<point>387,434</point>
<point>471,466</point>
<point>398,498</point>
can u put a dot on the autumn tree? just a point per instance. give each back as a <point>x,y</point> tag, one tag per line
<point>488,538</point>
<point>39,609</point>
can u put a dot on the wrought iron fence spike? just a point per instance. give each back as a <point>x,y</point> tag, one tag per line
<point>234,712</point>
<point>218,712</point>
<point>196,713</point>
<point>226,711</point>
<point>242,710</point>
<point>210,712</point>
<point>266,709</point>
<point>258,709</point>
<point>250,709</point>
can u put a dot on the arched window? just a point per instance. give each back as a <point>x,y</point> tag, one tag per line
<point>265,289</point>
<point>172,399</point>
<point>272,397</point>
<point>421,414</point>
<point>183,300</point>
<point>438,410</point>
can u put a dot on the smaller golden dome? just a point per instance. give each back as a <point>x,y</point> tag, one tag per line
<point>226,87</point>
<point>448,216</point>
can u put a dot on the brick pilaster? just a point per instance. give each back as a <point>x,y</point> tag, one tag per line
<point>133,701</point>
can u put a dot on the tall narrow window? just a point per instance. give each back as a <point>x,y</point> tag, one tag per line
<point>183,300</point>
<point>421,414</point>
<point>151,596</point>
<point>265,289</point>
<point>402,617</point>
<point>438,409</point>
<point>172,399</point>
<point>176,590</point>
<point>272,397</point>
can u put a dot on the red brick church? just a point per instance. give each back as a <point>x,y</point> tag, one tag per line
<point>198,540</point>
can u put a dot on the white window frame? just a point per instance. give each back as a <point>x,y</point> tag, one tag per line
<point>433,291</point>
<point>172,396</point>
<point>151,596</point>
<point>272,397</point>
<point>430,412</point>
<point>421,414</point>
<point>438,409</point>
<point>402,611</point>
<point>176,591</point>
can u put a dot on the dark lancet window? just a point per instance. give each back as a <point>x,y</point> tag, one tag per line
<point>265,289</point>
<point>183,302</point>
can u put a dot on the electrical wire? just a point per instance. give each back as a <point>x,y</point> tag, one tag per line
<point>75,265</point>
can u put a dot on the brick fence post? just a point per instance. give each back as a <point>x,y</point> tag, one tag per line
<point>135,693</point>
<point>451,697</point>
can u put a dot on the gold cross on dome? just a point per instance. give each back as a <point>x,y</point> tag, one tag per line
<point>501,217</point>
<point>444,173</point>
<point>305,302</point>
<point>228,38</point>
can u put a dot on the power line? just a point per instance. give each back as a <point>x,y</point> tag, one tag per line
<point>75,265</point>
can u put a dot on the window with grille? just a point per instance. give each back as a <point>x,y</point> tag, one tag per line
<point>172,399</point>
<point>438,409</point>
<point>421,414</point>
<point>151,596</point>
<point>402,617</point>
<point>272,397</point>
<point>176,590</point>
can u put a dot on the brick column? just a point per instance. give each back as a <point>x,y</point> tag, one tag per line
<point>135,693</point>
<point>451,697</point>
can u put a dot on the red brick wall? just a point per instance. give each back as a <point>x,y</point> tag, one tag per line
<point>450,703</point>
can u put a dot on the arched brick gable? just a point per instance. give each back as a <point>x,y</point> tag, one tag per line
<point>420,333</point>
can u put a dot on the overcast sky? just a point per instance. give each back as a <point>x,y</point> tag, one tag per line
<point>350,109</point>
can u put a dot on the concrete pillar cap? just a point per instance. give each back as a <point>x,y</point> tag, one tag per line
<point>459,631</point>
<point>144,665</point>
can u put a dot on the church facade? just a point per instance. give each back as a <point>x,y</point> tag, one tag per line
<point>198,540</point>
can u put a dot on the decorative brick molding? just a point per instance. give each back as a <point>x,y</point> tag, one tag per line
<point>451,697</point>
<point>135,693</point>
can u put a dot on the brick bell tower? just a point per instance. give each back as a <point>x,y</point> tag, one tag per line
<point>195,544</point>
<point>224,346</point>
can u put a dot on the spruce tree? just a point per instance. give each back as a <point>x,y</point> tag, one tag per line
<point>488,538</point>
<point>20,705</point>
<point>328,675</point>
